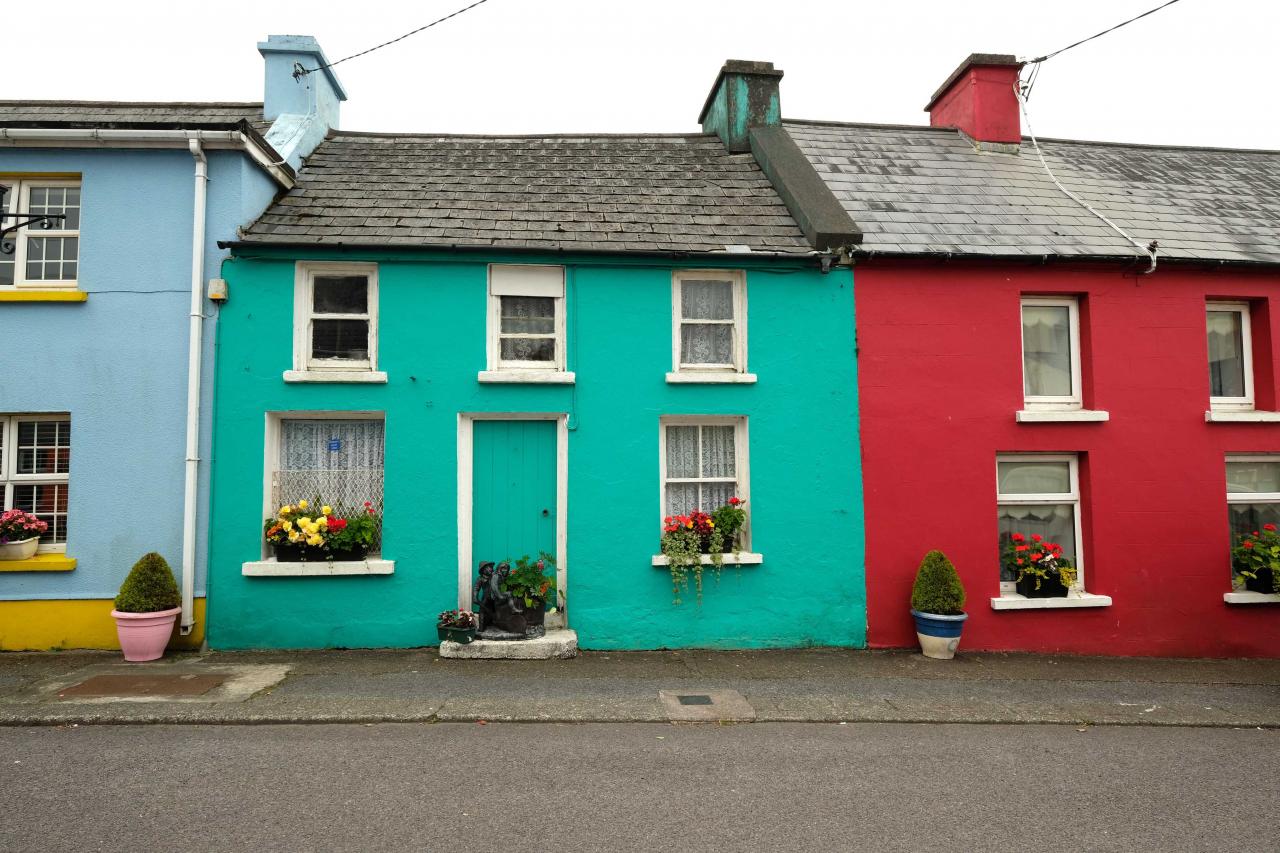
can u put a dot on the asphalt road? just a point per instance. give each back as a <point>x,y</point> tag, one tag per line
<point>650,787</point>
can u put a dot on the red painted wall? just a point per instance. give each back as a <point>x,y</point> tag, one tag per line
<point>940,378</point>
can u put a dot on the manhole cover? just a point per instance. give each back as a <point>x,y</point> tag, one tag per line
<point>172,684</point>
<point>694,700</point>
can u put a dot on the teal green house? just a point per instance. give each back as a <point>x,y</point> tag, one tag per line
<point>511,345</point>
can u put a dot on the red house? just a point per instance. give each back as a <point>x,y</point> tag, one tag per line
<point>1024,367</point>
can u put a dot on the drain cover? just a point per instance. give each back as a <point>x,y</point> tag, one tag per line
<point>696,699</point>
<point>170,684</point>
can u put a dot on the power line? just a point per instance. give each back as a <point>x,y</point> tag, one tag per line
<point>299,71</point>
<point>1103,33</point>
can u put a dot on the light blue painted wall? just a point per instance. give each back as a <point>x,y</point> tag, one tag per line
<point>118,362</point>
<point>806,496</point>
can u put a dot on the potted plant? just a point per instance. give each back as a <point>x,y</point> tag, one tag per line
<point>1256,560</point>
<point>458,626</point>
<point>531,584</point>
<point>299,533</point>
<point>146,608</point>
<point>20,534</point>
<point>1038,566</point>
<point>687,538</point>
<point>937,604</point>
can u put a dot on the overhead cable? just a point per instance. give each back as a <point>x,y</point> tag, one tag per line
<point>299,70</point>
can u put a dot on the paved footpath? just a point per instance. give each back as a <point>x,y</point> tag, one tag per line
<point>813,685</point>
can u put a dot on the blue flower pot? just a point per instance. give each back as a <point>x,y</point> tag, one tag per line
<point>938,635</point>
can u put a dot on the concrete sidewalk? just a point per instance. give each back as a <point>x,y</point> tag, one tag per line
<point>814,685</point>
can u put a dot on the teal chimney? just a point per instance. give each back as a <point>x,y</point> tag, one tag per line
<point>745,95</point>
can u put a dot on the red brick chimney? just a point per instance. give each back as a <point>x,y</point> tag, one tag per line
<point>978,98</point>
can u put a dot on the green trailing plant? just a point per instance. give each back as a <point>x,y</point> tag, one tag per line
<point>150,587</point>
<point>937,588</point>
<point>533,581</point>
<point>1257,553</point>
<point>685,538</point>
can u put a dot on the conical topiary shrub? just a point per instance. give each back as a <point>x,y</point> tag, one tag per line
<point>150,587</point>
<point>937,588</point>
<point>937,605</point>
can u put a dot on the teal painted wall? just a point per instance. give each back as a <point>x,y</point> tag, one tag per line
<point>806,494</point>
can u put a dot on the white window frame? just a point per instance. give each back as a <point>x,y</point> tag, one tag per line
<point>1075,399</point>
<point>1241,596</point>
<point>271,451</point>
<point>739,322</point>
<point>9,476</point>
<point>497,367</point>
<point>304,366</point>
<point>1245,403</point>
<point>741,457</point>
<point>1048,498</point>
<point>19,200</point>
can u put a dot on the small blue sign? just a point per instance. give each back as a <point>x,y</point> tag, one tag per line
<point>335,444</point>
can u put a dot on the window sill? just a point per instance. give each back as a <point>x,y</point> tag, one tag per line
<point>50,295</point>
<point>40,563</point>
<point>317,568</point>
<point>1241,596</point>
<point>1241,416</point>
<point>709,378</point>
<point>742,558</point>
<point>543,377</point>
<point>1050,416</point>
<point>1013,601</point>
<point>359,376</point>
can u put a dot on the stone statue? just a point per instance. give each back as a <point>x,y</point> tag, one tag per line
<point>501,615</point>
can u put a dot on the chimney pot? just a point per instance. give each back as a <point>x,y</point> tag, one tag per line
<point>978,99</point>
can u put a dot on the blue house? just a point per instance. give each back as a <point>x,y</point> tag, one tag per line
<point>111,215</point>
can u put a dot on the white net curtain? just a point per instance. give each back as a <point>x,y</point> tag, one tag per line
<point>706,328</point>
<point>339,462</point>
<point>701,468</point>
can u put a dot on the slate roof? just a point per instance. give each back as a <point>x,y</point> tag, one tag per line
<point>663,193</point>
<point>922,190</point>
<point>132,115</point>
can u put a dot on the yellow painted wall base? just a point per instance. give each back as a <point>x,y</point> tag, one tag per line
<point>74,624</point>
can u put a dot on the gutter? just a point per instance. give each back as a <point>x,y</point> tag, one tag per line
<point>191,473</point>
<point>64,137</point>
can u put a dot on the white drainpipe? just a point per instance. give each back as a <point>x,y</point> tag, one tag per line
<point>195,350</point>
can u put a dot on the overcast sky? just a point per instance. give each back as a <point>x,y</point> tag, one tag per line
<point>1202,72</point>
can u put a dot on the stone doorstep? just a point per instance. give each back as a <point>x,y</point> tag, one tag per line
<point>706,706</point>
<point>562,643</point>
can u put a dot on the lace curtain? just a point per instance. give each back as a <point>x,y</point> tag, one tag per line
<point>337,461</point>
<point>706,342</point>
<point>700,453</point>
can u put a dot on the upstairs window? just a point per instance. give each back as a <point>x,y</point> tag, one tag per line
<point>709,312</point>
<point>35,471</point>
<point>1051,353</point>
<point>1230,356</point>
<point>336,317</point>
<point>526,325</point>
<point>45,253</point>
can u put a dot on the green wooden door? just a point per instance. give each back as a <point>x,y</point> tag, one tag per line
<point>514,490</point>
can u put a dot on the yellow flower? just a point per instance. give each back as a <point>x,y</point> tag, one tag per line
<point>314,540</point>
<point>286,509</point>
<point>302,504</point>
<point>326,510</point>
<point>322,523</point>
<point>286,524</point>
<point>711,524</point>
<point>294,536</point>
<point>305,521</point>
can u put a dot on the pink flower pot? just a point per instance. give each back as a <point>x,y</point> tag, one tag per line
<point>143,636</point>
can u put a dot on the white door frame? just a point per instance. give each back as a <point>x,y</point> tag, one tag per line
<point>466,494</point>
